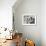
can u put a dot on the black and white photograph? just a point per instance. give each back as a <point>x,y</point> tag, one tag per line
<point>29,20</point>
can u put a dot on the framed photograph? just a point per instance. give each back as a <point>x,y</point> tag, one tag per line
<point>29,19</point>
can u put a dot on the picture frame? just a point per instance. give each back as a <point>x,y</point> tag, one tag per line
<point>29,19</point>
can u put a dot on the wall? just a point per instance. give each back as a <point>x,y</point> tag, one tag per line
<point>6,13</point>
<point>30,7</point>
<point>38,31</point>
<point>43,22</point>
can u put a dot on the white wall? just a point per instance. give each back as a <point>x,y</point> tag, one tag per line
<point>36,32</point>
<point>43,22</point>
<point>6,13</point>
